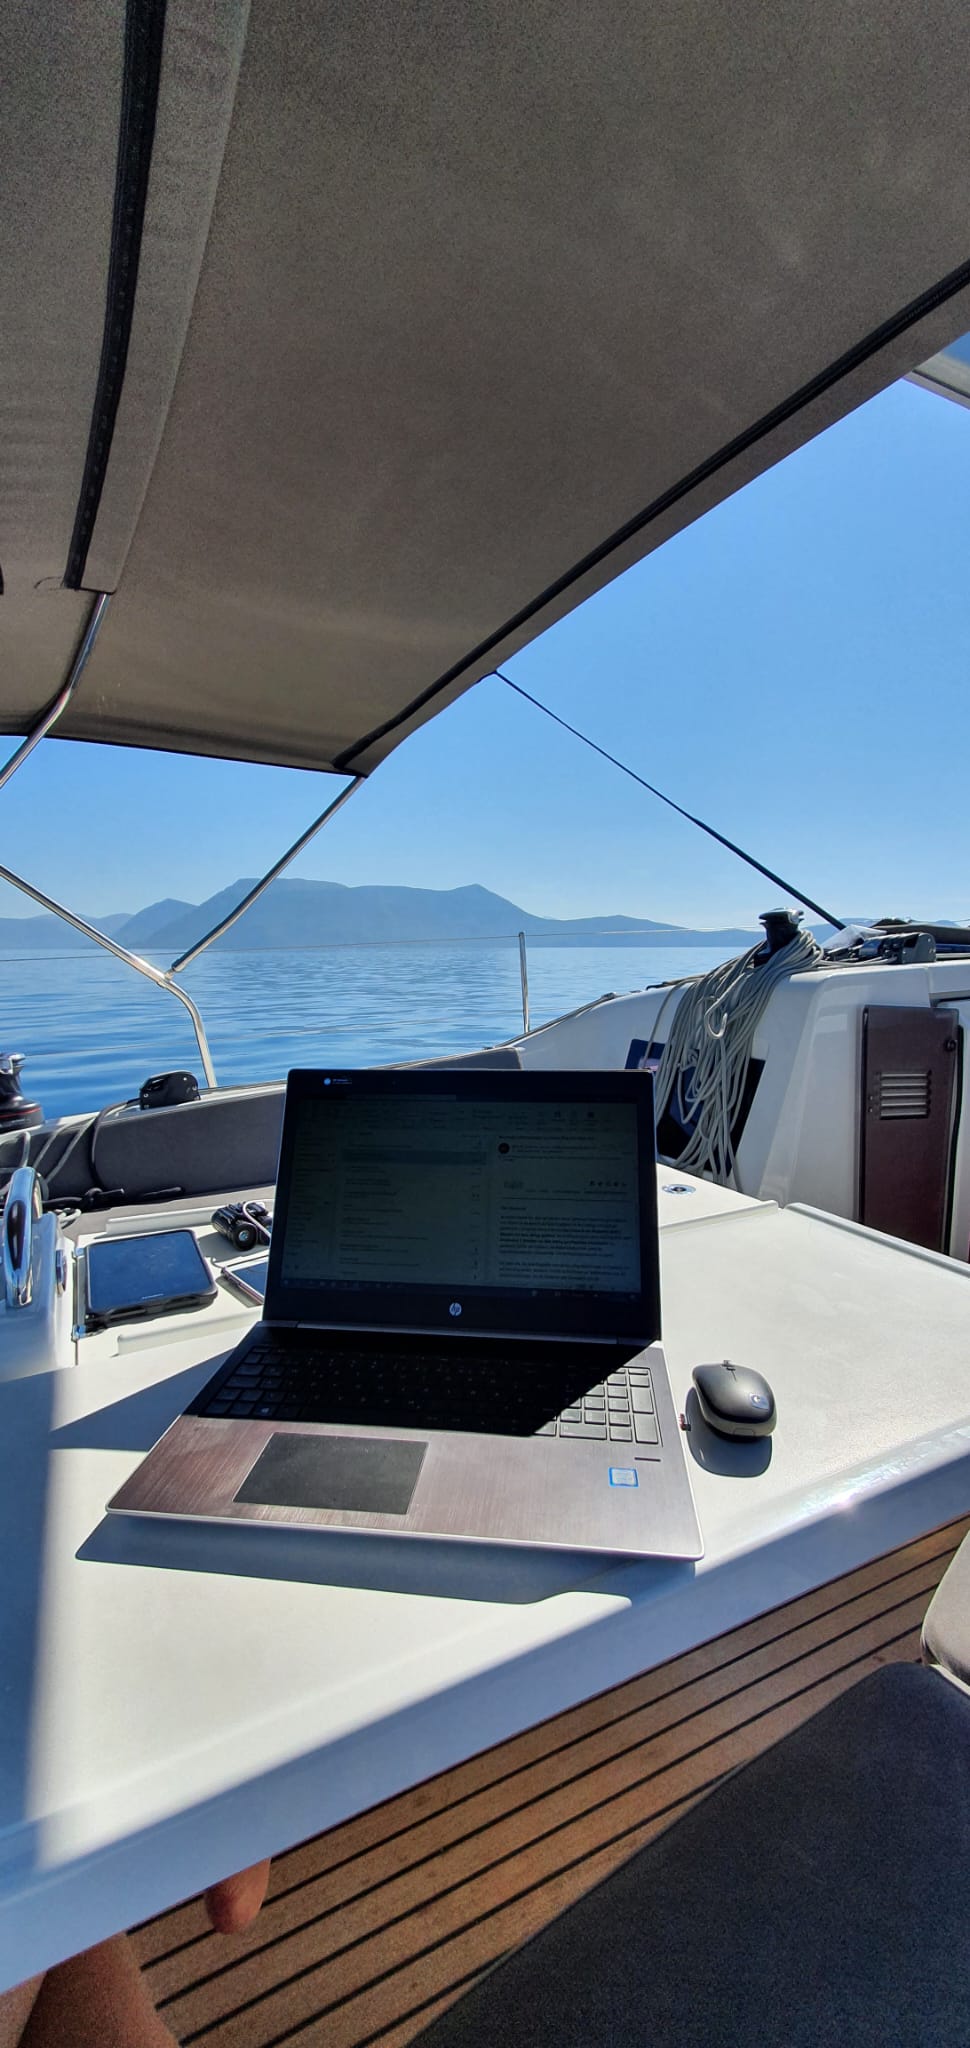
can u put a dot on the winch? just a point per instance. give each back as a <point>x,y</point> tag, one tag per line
<point>16,1113</point>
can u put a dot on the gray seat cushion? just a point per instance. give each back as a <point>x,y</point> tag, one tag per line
<point>490,1056</point>
<point>946,1629</point>
<point>817,1899</point>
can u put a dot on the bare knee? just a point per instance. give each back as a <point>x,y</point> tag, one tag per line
<point>235,1901</point>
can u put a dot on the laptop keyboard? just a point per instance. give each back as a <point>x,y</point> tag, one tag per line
<point>425,1390</point>
<point>619,1411</point>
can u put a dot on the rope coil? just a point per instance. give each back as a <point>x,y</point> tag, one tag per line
<point>704,1066</point>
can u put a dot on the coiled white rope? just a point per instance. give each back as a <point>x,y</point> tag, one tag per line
<point>704,1065</point>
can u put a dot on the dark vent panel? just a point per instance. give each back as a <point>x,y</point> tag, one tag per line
<point>907,1094</point>
<point>910,1067</point>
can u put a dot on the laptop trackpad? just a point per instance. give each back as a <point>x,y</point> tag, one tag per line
<point>367,1475</point>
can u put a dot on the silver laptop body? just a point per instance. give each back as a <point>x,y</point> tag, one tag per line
<point>460,1335</point>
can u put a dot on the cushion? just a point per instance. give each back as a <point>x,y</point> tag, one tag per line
<point>816,1899</point>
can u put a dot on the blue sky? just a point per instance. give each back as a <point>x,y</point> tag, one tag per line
<point>795,667</point>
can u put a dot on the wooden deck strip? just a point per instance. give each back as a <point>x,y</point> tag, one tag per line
<point>373,1927</point>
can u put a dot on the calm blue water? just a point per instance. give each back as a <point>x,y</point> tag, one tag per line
<point>92,1029</point>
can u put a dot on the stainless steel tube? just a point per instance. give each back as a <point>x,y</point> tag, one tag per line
<point>524,979</point>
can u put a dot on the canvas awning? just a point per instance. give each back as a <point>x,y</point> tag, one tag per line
<point>439,317</point>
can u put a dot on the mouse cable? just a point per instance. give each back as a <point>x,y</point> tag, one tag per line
<point>769,873</point>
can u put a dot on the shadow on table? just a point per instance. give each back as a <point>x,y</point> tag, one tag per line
<point>26,1407</point>
<point>731,1457</point>
<point>509,1574</point>
<point>137,1421</point>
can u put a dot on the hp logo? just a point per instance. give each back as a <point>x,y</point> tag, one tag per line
<point>454,1308</point>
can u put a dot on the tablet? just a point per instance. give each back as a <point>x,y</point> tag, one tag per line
<point>132,1278</point>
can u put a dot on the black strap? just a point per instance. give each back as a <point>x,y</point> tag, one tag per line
<point>144,36</point>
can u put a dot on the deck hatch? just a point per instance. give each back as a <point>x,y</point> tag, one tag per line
<point>910,1069</point>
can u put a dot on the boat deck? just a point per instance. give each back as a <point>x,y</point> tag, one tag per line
<point>374,1927</point>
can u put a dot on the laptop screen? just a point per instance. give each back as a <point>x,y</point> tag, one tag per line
<point>478,1195</point>
<point>408,1192</point>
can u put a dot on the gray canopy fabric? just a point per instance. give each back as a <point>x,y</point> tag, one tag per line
<point>439,317</point>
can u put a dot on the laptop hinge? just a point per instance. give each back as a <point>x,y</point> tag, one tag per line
<point>422,1330</point>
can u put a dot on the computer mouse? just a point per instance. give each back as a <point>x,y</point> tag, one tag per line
<point>734,1400</point>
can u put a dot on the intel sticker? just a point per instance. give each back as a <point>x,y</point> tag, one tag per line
<point>623,1475</point>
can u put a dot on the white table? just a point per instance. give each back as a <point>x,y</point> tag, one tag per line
<point>179,1701</point>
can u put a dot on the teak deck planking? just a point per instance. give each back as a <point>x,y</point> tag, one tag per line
<point>374,1927</point>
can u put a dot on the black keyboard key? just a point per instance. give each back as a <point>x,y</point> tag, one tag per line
<point>513,1395</point>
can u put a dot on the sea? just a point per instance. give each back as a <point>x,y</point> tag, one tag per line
<point>91,1029</point>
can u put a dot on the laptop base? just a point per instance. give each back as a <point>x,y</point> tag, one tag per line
<point>621,1498</point>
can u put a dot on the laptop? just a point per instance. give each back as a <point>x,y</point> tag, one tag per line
<point>460,1334</point>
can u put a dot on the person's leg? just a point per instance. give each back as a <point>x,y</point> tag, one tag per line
<point>235,1901</point>
<point>16,2007</point>
<point>96,2000</point>
<point>100,1999</point>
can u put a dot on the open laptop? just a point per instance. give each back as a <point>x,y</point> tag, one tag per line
<point>461,1323</point>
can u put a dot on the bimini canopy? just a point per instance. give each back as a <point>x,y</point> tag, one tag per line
<point>350,345</point>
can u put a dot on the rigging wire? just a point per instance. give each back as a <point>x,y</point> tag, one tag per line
<point>704,1066</point>
<point>689,815</point>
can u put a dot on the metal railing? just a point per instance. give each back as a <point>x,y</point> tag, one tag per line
<point>524,980</point>
<point>162,977</point>
<point>158,975</point>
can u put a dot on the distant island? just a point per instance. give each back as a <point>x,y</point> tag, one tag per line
<point>295,916</point>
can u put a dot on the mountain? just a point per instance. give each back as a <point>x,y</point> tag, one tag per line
<point>294,915</point>
<point>51,935</point>
<point>141,930</point>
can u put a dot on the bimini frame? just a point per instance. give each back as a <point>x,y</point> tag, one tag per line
<point>163,977</point>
